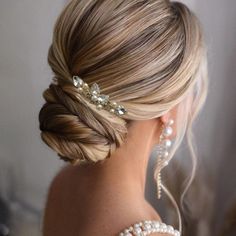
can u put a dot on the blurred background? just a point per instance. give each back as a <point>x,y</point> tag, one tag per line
<point>27,165</point>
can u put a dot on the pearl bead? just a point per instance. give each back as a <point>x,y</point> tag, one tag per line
<point>99,106</point>
<point>147,226</point>
<point>166,163</point>
<point>171,122</point>
<point>167,143</point>
<point>94,98</point>
<point>176,232</point>
<point>170,229</point>
<point>167,131</point>
<point>137,230</point>
<point>85,85</point>
<point>157,224</point>
<point>166,154</point>
<point>127,234</point>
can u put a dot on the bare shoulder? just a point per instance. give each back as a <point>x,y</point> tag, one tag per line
<point>59,202</point>
<point>63,175</point>
<point>86,211</point>
<point>62,185</point>
<point>66,178</point>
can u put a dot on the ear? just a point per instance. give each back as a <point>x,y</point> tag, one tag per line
<point>170,115</point>
<point>166,117</point>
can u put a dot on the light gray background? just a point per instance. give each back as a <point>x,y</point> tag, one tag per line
<point>27,165</point>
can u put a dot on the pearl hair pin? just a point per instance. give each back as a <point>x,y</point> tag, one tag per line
<point>100,100</point>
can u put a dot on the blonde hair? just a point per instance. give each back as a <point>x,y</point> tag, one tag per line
<point>147,55</point>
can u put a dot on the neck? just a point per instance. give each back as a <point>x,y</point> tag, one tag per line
<point>126,168</point>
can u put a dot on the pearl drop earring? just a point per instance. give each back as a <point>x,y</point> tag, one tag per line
<point>163,151</point>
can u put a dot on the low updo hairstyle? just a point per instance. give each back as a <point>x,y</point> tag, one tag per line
<point>146,55</point>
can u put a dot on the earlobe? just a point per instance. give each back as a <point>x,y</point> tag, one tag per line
<point>169,115</point>
<point>168,120</point>
<point>165,118</point>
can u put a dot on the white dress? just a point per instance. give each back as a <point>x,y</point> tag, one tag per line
<point>148,227</point>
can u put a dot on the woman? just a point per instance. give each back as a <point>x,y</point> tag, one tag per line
<point>129,76</point>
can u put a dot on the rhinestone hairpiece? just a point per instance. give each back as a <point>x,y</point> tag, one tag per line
<point>100,100</point>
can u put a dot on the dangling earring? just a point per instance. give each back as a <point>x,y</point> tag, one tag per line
<point>163,152</point>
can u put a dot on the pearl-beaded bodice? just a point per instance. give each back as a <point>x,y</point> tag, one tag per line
<point>148,227</point>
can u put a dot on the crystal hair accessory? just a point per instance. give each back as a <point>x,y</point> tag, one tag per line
<point>100,100</point>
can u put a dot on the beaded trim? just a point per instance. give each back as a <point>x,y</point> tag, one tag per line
<point>147,227</point>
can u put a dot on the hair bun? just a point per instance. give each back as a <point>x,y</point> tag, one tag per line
<point>76,130</point>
